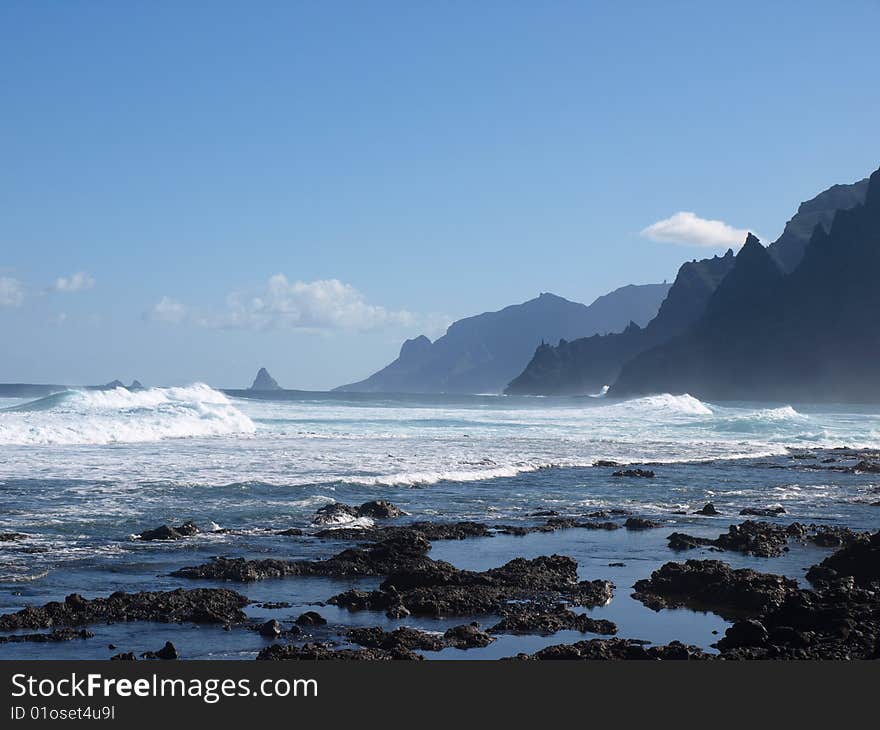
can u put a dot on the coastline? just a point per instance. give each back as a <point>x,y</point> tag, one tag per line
<point>622,555</point>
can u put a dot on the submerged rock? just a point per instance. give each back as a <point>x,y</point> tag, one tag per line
<point>644,473</point>
<point>53,636</point>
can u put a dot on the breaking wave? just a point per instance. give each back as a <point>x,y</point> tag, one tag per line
<point>666,404</point>
<point>123,416</point>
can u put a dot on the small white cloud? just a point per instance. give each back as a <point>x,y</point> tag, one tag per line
<point>319,306</point>
<point>80,281</point>
<point>325,304</point>
<point>167,310</point>
<point>11,292</point>
<point>688,229</point>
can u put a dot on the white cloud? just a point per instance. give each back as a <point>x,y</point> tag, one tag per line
<point>80,281</point>
<point>324,304</point>
<point>167,310</point>
<point>688,229</point>
<point>11,292</point>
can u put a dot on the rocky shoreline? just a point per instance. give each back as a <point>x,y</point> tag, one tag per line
<point>835,615</point>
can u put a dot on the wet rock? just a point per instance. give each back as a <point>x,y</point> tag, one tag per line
<point>832,536</point>
<point>617,649</point>
<point>12,536</point>
<point>715,586</point>
<point>760,539</point>
<point>290,532</point>
<point>241,570</point>
<point>339,513</point>
<point>640,523</point>
<point>865,467</point>
<point>749,632</point>
<point>527,619</point>
<point>334,514</point>
<point>379,509</point>
<point>428,530</point>
<point>271,629</point>
<point>467,636</point>
<point>555,523</point>
<point>166,532</point>
<point>707,510</point>
<point>53,636</point>
<point>201,605</point>
<point>439,589</point>
<point>606,463</point>
<point>544,513</point>
<point>643,473</point>
<point>127,656</point>
<point>763,511</point>
<point>167,652</point>
<point>681,541</point>
<point>310,618</point>
<point>860,559</point>
<point>320,652</point>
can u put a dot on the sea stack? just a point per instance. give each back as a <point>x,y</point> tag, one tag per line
<point>264,381</point>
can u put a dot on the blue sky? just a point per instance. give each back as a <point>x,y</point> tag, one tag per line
<point>189,191</point>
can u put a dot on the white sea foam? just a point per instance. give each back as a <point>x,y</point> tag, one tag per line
<point>123,416</point>
<point>667,404</point>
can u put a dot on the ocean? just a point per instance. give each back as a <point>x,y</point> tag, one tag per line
<point>82,472</point>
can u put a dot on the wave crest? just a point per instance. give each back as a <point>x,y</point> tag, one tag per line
<point>667,403</point>
<point>123,416</point>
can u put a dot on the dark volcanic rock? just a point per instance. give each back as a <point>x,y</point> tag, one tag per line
<point>290,532</point>
<point>606,463</point>
<point>645,473</point>
<point>127,656</point>
<point>762,511</point>
<point>166,532</point>
<point>335,513</point>
<point>713,585</point>
<point>241,570</point>
<point>310,618</point>
<point>707,510</point>
<point>860,559</point>
<point>379,509</point>
<point>271,629</point>
<point>640,523</point>
<point>865,467</point>
<point>748,632</point>
<point>319,652</point>
<point>339,513</point>
<point>169,651</point>
<point>201,605</point>
<point>53,636</point>
<point>527,619</point>
<point>838,620</point>
<point>440,589</point>
<point>617,649</point>
<point>466,636</point>
<point>750,538</point>
<point>12,536</point>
